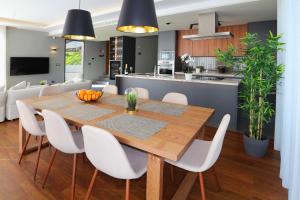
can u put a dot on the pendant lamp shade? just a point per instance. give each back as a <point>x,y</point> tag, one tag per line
<point>138,16</point>
<point>79,25</point>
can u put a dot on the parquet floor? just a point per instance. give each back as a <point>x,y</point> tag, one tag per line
<point>241,176</point>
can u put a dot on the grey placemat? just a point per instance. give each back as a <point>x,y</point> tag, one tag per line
<point>86,112</point>
<point>56,103</point>
<point>132,125</point>
<point>163,108</point>
<point>115,100</point>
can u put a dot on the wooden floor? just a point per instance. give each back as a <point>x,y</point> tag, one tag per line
<point>241,177</point>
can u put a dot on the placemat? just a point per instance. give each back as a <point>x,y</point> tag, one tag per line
<point>86,112</point>
<point>132,125</point>
<point>163,108</point>
<point>53,104</point>
<point>115,100</point>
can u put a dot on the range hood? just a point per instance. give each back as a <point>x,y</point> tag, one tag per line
<point>207,26</point>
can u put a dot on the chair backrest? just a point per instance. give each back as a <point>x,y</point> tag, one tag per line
<point>216,144</point>
<point>177,98</point>
<point>106,154</point>
<point>28,119</point>
<point>111,89</point>
<point>142,93</point>
<point>58,132</point>
<point>51,90</point>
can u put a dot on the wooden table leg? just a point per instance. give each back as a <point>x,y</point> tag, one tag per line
<point>185,186</point>
<point>22,136</point>
<point>155,177</point>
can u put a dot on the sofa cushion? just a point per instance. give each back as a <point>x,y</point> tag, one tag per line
<point>2,88</point>
<point>21,85</point>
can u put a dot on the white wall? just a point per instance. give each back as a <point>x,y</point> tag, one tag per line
<point>26,43</point>
<point>146,54</point>
<point>2,55</point>
<point>94,65</point>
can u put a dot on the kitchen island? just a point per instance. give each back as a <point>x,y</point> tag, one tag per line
<point>212,92</point>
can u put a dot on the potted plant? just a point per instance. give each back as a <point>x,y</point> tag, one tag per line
<point>43,82</point>
<point>261,74</point>
<point>131,98</point>
<point>227,58</point>
<point>187,61</point>
<point>199,69</point>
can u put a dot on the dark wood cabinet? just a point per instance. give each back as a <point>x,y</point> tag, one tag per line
<point>208,47</point>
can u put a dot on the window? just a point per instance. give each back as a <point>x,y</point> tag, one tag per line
<point>74,56</point>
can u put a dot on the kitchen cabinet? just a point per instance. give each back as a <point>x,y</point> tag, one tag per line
<point>208,47</point>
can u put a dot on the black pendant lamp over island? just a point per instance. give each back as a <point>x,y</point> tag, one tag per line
<point>138,16</point>
<point>78,25</point>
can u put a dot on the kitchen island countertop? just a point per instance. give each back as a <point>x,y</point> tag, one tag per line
<point>178,77</point>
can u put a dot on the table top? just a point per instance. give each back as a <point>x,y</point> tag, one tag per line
<point>169,142</point>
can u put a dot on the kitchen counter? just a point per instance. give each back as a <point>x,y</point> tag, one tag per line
<point>220,93</point>
<point>180,77</point>
<point>216,74</point>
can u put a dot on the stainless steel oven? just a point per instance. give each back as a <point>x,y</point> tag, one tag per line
<point>166,62</point>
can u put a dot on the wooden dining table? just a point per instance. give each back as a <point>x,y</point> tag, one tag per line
<point>169,142</point>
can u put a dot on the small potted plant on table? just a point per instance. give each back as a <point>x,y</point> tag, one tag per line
<point>131,98</point>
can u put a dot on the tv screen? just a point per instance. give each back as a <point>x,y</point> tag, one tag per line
<point>29,65</point>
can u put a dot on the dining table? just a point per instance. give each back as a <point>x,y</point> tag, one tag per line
<point>162,130</point>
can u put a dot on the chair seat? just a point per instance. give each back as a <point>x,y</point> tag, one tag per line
<point>137,159</point>
<point>194,157</point>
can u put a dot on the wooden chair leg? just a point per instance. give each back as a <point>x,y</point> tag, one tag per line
<point>89,192</point>
<point>172,173</point>
<point>24,148</point>
<point>213,170</point>
<point>38,157</point>
<point>73,177</point>
<point>202,186</point>
<point>127,189</point>
<point>49,167</point>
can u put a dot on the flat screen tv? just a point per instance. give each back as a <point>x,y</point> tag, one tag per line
<point>29,65</point>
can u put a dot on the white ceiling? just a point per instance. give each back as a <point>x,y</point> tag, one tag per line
<point>49,15</point>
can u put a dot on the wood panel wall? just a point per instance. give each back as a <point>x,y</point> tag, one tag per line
<point>208,47</point>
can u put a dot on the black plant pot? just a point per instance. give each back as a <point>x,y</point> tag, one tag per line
<point>256,148</point>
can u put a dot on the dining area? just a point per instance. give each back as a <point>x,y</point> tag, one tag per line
<point>121,143</point>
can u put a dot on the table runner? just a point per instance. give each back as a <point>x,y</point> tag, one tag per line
<point>86,112</point>
<point>115,100</point>
<point>164,108</point>
<point>53,104</point>
<point>133,125</point>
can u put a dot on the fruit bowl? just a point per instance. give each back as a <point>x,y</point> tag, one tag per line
<point>88,95</point>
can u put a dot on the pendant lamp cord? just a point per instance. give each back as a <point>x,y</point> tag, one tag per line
<point>79,4</point>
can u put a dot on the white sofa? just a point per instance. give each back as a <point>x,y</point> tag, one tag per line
<point>2,105</point>
<point>33,91</point>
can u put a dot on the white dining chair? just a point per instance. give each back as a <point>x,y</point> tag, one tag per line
<point>143,93</point>
<point>62,139</point>
<point>110,89</point>
<point>47,90</point>
<point>32,127</point>
<point>177,98</point>
<point>110,157</point>
<point>202,155</point>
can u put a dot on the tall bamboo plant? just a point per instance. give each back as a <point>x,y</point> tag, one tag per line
<point>261,74</point>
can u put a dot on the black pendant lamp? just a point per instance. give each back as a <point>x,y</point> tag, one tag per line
<point>79,25</point>
<point>138,16</point>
